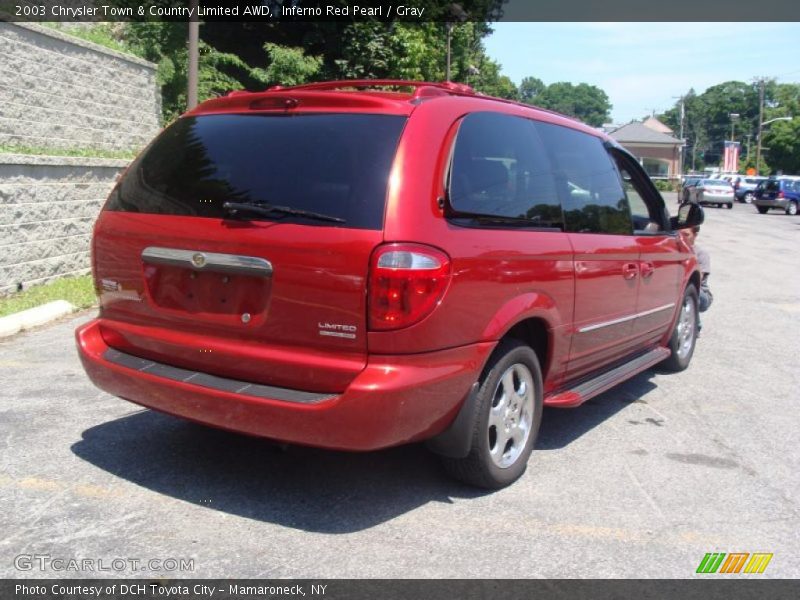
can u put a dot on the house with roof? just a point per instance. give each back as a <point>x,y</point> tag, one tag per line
<point>654,144</point>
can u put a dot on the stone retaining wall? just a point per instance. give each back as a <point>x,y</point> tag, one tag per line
<point>57,91</point>
<point>60,92</point>
<point>48,205</point>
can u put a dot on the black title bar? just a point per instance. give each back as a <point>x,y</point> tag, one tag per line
<point>731,588</point>
<point>419,11</point>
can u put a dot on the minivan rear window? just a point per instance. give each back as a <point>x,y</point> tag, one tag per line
<point>334,164</point>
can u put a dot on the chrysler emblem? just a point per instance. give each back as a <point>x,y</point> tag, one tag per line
<point>199,260</point>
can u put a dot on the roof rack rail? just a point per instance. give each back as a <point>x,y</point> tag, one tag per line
<point>421,88</point>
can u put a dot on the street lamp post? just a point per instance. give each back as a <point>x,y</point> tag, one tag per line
<point>758,139</point>
<point>734,117</point>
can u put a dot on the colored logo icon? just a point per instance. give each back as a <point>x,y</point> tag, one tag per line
<point>735,562</point>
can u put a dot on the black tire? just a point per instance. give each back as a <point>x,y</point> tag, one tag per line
<point>729,205</point>
<point>762,210</point>
<point>791,208</point>
<point>682,341</point>
<point>748,197</point>
<point>482,467</point>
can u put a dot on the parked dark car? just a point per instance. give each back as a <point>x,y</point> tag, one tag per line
<point>361,264</point>
<point>782,193</point>
<point>686,187</point>
<point>744,187</point>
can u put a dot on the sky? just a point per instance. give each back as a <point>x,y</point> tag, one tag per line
<point>643,67</point>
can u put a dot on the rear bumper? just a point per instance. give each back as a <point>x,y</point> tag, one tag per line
<point>773,203</point>
<point>394,400</point>
<point>716,199</point>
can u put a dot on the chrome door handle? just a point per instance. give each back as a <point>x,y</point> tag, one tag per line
<point>630,270</point>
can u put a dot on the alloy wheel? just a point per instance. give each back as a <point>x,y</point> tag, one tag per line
<point>511,415</point>
<point>686,327</point>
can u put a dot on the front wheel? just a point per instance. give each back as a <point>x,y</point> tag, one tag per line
<point>509,412</point>
<point>684,334</point>
<point>762,210</point>
<point>729,205</point>
<point>791,208</point>
<point>748,197</point>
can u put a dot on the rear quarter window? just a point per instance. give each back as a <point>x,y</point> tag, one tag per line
<point>335,164</point>
<point>500,168</point>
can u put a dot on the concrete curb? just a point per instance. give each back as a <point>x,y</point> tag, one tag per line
<point>34,317</point>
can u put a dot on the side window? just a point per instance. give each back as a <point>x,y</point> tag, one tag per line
<point>647,209</point>
<point>500,169</point>
<point>587,181</point>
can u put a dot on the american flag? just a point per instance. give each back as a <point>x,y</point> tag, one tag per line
<point>731,162</point>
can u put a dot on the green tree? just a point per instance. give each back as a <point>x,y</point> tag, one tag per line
<point>287,66</point>
<point>252,55</point>
<point>586,102</point>
<point>707,121</point>
<point>530,88</point>
<point>783,143</point>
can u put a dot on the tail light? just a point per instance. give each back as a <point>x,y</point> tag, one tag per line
<point>406,282</point>
<point>780,195</point>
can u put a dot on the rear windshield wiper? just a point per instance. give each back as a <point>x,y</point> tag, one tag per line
<point>263,208</point>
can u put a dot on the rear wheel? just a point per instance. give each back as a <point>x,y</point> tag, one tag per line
<point>791,208</point>
<point>729,205</point>
<point>762,209</point>
<point>748,197</point>
<point>509,412</point>
<point>684,335</point>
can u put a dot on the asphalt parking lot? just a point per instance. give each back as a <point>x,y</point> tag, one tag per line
<point>639,482</point>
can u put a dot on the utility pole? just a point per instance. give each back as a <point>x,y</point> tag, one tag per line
<point>683,142</point>
<point>761,81</point>
<point>194,39</point>
<point>449,27</point>
<point>457,15</point>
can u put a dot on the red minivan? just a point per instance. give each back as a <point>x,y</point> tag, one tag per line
<point>361,264</point>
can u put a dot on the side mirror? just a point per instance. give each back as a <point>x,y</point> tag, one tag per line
<point>689,215</point>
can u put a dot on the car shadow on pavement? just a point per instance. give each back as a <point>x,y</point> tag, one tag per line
<point>562,426</point>
<point>303,488</point>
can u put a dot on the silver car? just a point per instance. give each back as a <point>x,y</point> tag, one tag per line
<point>712,191</point>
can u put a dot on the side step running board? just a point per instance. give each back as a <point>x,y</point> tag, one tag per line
<point>593,387</point>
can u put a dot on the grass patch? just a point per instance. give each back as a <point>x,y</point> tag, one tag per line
<point>77,152</point>
<point>76,290</point>
<point>102,34</point>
